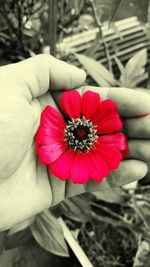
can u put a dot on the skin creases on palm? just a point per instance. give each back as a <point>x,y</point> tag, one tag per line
<point>22,182</point>
<point>16,132</point>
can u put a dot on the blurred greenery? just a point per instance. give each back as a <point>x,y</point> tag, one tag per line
<point>112,226</point>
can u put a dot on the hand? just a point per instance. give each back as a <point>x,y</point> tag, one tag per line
<point>25,188</point>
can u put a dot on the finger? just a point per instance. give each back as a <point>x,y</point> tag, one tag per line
<point>62,190</point>
<point>128,172</point>
<point>130,102</point>
<point>137,127</point>
<point>143,90</point>
<point>139,149</point>
<point>45,100</point>
<point>74,189</point>
<point>58,188</point>
<point>42,72</point>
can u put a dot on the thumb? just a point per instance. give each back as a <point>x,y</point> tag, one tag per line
<point>43,72</point>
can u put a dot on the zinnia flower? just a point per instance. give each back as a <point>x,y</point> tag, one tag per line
<point>86,144</point>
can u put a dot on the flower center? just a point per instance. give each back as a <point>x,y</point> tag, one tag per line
<point>80,134</point>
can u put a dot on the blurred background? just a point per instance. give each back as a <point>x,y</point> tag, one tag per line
<point>110,39</point>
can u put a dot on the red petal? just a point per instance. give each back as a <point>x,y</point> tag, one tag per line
<point>105,109</point>
<point>111,156</point>
<point>49,153</point>
<point>51,116</point>
<point>117,140</point>
<point>110,124</point>
<point>51,127</point>
<point>98,169</point>
<point>79,170</point>
<point>47,135</point>
<point>70,103</point>
<point>89,104</point>
<point>61,168</point>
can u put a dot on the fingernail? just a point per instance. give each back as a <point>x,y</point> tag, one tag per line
<point>66,88</point>
<point>142,115</point>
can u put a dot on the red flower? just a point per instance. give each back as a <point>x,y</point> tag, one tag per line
<point>85,146</point>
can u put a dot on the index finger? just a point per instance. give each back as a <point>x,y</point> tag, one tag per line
<point>38,74</point>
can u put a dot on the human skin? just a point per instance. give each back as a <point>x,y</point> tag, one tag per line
<point>26,188</point>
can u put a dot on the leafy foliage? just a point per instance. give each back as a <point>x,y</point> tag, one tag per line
<point>76,208</point>
<point>76,6</point>
<point>3,236</point>
<point>97,71</point>
<point>106,9</point>
<point>48,233</point>
<point>22,26</point>
<point>142,256</point>
<point>18,239</point>
<point>134,71</point>
<point>108,193</point>
<point>33,255</point>
<point>21,226</point>
<point>132,74</point>
<point>119,232</point>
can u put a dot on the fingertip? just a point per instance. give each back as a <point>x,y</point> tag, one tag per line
<point>139,149</point>
<point>77,77</point>
<point>131,103</point>
<point>143,169</point>
<point>43,72</point>
<point>83,74</point>
<point>128,172</point>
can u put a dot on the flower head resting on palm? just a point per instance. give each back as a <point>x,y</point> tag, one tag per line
<point>86,144</point>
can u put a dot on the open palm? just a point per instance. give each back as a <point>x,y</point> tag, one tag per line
<point>26,188</point>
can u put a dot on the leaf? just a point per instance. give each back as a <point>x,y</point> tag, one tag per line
<point>48,233</point>
<point>97,71</point>
<point>33,255</point>
<point>142,256</point>
<point>99,9</point>
<point>114,9</point>
<point>18,239</point>
<point>138,79</point>
<point>108,8</point>
<point>148,16</point>
<point>76,6</point>
<point>21,226</point>
<point>134,68</point>
<point>3,237</point>
<point>108,194</point>
<point>120,65</point>
<point>76,208</point>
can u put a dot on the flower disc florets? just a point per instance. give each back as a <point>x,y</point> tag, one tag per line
<point>80,134</point>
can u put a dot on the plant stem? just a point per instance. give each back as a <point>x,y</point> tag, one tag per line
<point>78,251</point>
<point>52,17</point>
<point>103,39</point>
<point>148,31</point>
